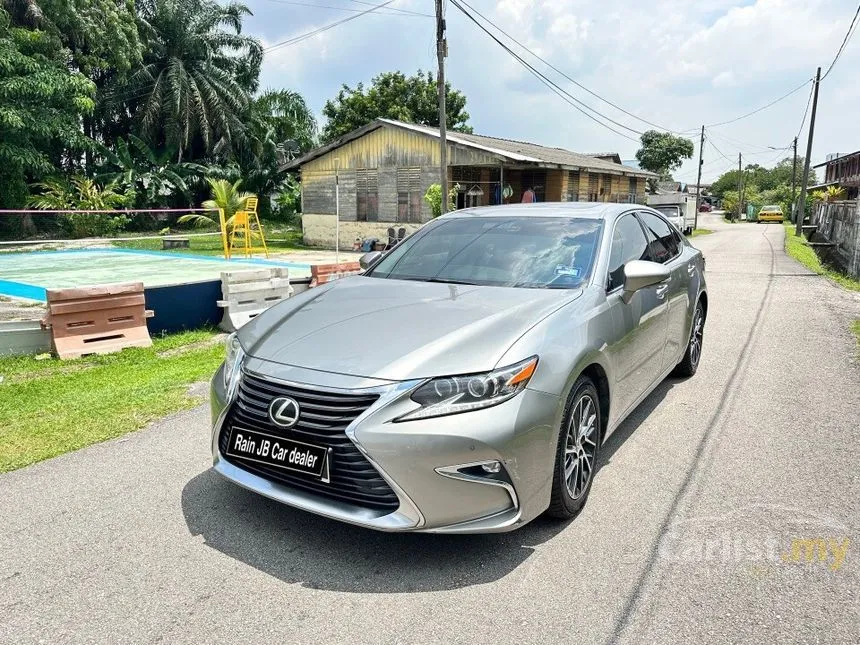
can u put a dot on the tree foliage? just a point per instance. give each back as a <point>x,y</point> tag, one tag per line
<point>393,95</point>
<point>762,185</point>
<point>137,168</point>
<point>663,152</point>
<point>197,75</point>
<point>41,102</point>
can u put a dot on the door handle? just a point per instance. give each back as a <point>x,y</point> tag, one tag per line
<point>661,291</point>
<point>691,270</point>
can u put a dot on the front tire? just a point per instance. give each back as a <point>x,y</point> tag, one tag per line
<point>690,363</point>
<point>577,450</point>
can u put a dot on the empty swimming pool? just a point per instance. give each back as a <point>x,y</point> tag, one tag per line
<point>28,275</point>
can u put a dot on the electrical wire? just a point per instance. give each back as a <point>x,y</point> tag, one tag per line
<point>803,120</point>
<point>561,73</point>
<point>390,11</point>
<point>570,99</point>
<point>297,39</point>
<point>848,34</point>
<point>763,107</point>
<point>719,152</point>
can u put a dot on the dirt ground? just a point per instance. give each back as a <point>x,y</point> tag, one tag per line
<point>19,309</point>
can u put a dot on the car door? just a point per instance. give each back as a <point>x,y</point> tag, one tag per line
<point>638,325</point>
<point>666,247</point>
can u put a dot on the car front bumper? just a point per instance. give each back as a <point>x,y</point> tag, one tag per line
<point>434,466</point>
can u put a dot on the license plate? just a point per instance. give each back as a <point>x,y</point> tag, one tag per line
<point>279,452</point>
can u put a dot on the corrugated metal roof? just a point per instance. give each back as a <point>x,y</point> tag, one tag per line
<point>515,151</point>
<point>524,151</point>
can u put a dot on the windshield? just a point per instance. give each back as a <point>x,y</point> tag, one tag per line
<point>668,211</point>
<point>772,207</point>
<point>506,252</point>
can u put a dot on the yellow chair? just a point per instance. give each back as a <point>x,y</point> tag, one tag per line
<point>244,222</point>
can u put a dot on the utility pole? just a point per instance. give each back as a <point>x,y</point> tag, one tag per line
<point>441,52</point>
<point>699,180</point>
<point>740,175</point>
<point>794,183</point>
<point>801,203</point>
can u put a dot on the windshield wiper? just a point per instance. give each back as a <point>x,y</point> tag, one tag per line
<point>448,281</point>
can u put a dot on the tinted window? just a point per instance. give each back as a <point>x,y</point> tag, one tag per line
<point>628,244</point>
<point>511,251</point>
<point>661,238</point>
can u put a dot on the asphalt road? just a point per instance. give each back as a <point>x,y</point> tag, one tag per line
<point>687,536</point>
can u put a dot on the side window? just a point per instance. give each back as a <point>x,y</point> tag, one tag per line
<point>628,243</point>
<point>662,242</point>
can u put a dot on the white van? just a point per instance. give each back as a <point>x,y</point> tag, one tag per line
<point>678,208</point>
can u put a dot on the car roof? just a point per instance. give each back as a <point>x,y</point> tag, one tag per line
<point>585,210</point>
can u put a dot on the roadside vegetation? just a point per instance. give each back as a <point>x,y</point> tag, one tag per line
<point>700,231</point>
<point>797,248</point>
<point>49,407</point>
<point>762,186</point>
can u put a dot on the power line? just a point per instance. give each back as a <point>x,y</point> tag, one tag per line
<point>719,152</point>
<point>763,107</point>
<point>297,39</point>
<point>561,73</point>
<point>417,13</point>
<point>570,99</point>
<point>803,120</point>
<point>845,40</point>
<point>389,12</point>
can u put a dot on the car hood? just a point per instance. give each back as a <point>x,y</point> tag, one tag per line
<point>397,330</point>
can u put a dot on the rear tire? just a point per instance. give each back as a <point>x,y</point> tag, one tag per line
<point>690,363</point>
<point>577,451</point>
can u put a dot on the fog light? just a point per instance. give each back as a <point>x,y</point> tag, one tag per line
<point>491,467</point>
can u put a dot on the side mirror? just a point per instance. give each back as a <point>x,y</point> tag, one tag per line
<point>369,258</point>
<point>639,274</point>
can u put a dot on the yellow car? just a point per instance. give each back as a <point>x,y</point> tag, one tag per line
<point>772,213</point>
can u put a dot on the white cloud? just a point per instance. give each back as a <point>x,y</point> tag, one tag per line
<point>677,63</point>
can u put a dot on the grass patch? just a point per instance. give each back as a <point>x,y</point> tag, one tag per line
<point>50,407</point>
<point>277,241</point>
<point>701,231</point>
<point>855,327</point>
<point>797,248</point>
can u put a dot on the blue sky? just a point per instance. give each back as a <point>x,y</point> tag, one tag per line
<point>675,63</point>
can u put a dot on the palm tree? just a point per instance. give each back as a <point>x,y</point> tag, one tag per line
<point>225,196</point>
<point>197,76</point>
<point>288,116</point>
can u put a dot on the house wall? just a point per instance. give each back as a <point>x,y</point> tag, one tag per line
<point>386,150</point>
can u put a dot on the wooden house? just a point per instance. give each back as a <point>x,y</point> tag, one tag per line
<point>384,168</point>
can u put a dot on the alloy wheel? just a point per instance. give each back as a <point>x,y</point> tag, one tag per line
<point>580,445</point>
<point>696,336</point>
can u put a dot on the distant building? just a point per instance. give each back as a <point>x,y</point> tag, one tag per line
<point>385,167</point>
<point>842,170</point>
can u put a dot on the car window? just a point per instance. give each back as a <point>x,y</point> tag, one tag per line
<point>662,242</point>
<point>628,244</point>
<point>534,252</point>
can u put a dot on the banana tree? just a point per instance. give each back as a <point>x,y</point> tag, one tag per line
<point>152,175</point>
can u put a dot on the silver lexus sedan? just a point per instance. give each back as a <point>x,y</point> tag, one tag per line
<point>466,381</point>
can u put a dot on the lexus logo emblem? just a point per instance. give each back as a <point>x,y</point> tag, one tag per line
<point>284,412</point>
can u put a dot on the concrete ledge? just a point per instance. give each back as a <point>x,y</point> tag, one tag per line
<point>318,230</point>
<point>22,337</point>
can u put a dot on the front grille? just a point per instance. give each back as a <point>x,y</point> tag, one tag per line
<point>323,419</point>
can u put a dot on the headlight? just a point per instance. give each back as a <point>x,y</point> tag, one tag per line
<point>232,364</point>
<point>453,394</point>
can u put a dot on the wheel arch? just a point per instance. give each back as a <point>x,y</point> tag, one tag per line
<point>703,298</point>
<point>597,374</point>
